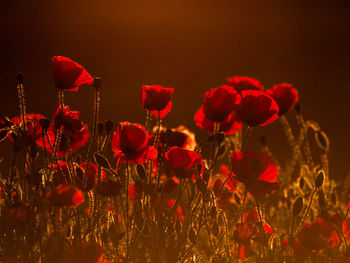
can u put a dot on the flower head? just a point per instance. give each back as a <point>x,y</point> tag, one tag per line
<point>157,99</point>
<point>319,235</point>
<point>69,75</point>
<point>228,126</point>
<point>218,103</point>
<point>84,252</point>
<point>130,142</point>
<point>33,128</point>
<point>258,172</point>
<point>182,162</point>
<point>244,83</point>
<point>285,96</point>
<point>257,108</point>
<point>74,132</point>
<point>65,195</point>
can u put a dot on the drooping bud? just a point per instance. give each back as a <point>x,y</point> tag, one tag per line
<point>101,160</point>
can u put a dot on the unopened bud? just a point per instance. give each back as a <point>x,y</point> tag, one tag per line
<point>192,235</point>
<point>20,76</point>
<point>100,127</point>
<point>44,123</point>
<point>97,82</point>
<point>109,126</point>
<point>319,179</point>
<point>298,206</point>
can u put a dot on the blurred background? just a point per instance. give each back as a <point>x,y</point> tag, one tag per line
<point>191,45</point>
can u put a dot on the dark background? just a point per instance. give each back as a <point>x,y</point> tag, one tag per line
<point>191,45</point>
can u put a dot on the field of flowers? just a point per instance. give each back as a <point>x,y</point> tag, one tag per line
<point>151,193</point>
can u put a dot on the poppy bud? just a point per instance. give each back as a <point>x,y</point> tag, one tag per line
<point>298,206</point>
<point>97,83</point>
<point>168,133</point>
<point>192,235</point>
<point>101,160</point>
<point>20,76</point>
<point>108,188</point>
<point>100,127</point>
<point>141,171</point>
<point>319,179</point>
<point>109,126</point>
<point>44,123</point>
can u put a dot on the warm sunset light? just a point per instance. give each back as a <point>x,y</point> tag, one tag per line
<point>174,131</point>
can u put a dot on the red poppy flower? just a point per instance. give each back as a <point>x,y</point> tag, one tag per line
<point>19,214</point>
<point>346,229</point>
<point>65,195</point>
<point>319,235</point>
<point>180,137</point>
<point>225,197</point>
<point>91,176</point>
<point>228,126</point>
<point>244,83</point>
<point>74,132</point>
<point>136,190</point>
<point>300,254</point>
<point>69,75</point>
<point>61,174</point>
<point>258,172</point>
<point>243,236</point>
<point>218,103</point>
<point>257,108</point>
<point>84,252</point>
<point>170,185</point>
<point>130,142</point>
<point>5,125</point>
<point>182,162</point>
<point>33,128</point>
<point>157,99</point>
<point>285,96</point>
<point>248,231</point>
<point>108,187</point>
<point>170,203</point>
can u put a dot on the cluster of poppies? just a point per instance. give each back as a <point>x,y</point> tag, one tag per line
<point>172,156</point>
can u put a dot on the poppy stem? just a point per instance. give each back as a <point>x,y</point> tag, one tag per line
<point>249,130</point>
<point>22,105</point>
<point>243,204</point>
<point>127,209</point>
<point>94,128</point>
<point>307,211</point>
<point>261,226</point>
